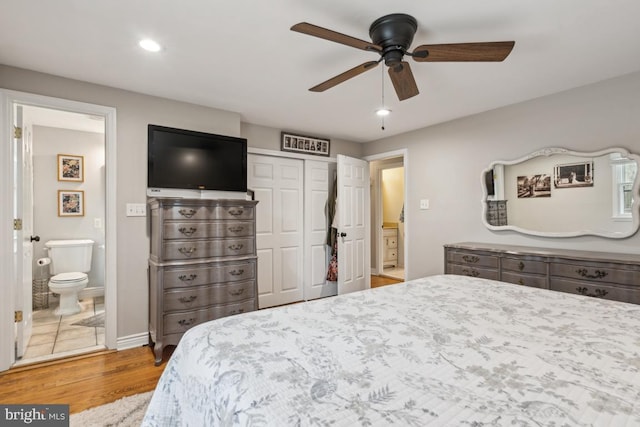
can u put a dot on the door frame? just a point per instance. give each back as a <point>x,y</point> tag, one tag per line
<point>404,154</point>
<point>8,288</point>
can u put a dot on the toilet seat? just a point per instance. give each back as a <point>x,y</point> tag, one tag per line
<point>68,278</point>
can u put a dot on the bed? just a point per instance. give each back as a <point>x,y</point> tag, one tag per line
<point>443,350</point>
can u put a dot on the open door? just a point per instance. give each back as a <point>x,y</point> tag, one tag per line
<point>353,206</point>
<point>23,198</point>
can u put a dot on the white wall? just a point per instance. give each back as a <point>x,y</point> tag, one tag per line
<point>48,142</point>
<point>446,163</point>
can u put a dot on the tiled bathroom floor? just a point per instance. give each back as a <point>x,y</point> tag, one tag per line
<point>57,334</point>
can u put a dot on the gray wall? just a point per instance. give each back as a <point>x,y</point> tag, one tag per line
<point>446,162</point>
<point>134,112</point>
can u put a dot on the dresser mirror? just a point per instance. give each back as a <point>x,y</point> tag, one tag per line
<point>556,192</point>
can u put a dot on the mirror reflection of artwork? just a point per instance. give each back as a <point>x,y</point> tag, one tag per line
<point>534,186</point>
<point>607,208</point>
<point>573,175</point>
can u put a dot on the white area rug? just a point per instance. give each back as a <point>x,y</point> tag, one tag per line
<point>125,412</point>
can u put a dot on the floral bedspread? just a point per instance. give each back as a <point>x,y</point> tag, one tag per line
<point>442,350</point>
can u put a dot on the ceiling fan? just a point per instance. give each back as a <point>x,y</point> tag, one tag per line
<point>391,37</point>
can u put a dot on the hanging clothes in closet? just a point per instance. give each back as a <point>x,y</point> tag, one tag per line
<point>332,232</point>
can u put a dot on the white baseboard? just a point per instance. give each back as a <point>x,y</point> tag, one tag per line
<point>132,341</point>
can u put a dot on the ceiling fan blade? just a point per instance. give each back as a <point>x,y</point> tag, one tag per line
<point>463,52</point>
<point>323,33</point>
<point>334,81</point>
<point>403,81</point>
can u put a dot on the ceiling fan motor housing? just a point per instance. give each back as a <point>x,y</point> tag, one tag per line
<point>394,33</point>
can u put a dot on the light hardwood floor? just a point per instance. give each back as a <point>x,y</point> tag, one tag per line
<point>85,381</point>
<point>95,379</point>
<point>377,281</point>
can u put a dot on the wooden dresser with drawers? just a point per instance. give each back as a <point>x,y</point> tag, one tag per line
<point>613,276</point>
<point>202,264</point>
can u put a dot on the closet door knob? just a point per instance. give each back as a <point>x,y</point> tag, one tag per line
<point>35,238</point>
<point>343,234</point>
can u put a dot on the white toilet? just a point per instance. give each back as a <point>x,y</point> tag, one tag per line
<point>70,261</point>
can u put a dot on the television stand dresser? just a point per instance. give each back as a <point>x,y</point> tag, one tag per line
<point>202,264</point>
<point>614,276</point>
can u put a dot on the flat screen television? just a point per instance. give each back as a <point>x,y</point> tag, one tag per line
<point>186,163</point>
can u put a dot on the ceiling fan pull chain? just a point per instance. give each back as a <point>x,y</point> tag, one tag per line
<point>382,83</point>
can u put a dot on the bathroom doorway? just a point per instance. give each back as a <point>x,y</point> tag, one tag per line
<point>388,216</point>
<point>61,134</point>
<point>65,141</point>
<point>392,206</point>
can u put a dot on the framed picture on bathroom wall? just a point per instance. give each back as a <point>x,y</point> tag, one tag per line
<point>70,203</point>
<point>70,168</point>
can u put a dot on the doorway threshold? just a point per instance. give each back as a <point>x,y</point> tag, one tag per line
<point>55,357</point>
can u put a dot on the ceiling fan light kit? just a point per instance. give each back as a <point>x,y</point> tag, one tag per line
<point>391,36</point>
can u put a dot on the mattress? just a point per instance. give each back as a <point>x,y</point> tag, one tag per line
<point>439,351</point>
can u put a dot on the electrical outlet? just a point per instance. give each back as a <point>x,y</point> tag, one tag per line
<point>136,209</point>
<point>424,203</point>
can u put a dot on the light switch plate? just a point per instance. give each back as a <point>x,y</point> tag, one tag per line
<point>136,209</point>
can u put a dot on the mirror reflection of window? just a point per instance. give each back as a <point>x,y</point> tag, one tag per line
<point>624,174</point>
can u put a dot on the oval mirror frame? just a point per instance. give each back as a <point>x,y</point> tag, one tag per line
<point>549,152</point>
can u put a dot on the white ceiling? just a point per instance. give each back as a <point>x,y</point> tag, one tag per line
<point>240,55</point>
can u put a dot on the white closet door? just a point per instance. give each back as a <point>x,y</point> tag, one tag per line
<point>316,259</point>
<point>353,210</point>
<point>278,186</point>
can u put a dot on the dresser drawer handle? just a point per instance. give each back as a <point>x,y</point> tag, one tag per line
<point>472,272</point>
<point>598,293</point>
<point>236,212</point>
<point>187,231</point>
<point>187,213</point>
<point>187,300</point>
<point>187,251</point>
<point>236,247</point>
<point>187,322</point>
<point>471,258</point>
<point>236,272</point>
<point>238,311</point>
<point>187,279</point>
<point>598,274</point>
<point>236,229</point>
<point>521,266</point>
<point>237,292</point>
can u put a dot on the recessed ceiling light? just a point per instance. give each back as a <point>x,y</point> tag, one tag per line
<point>150,45</point>
<point>383,111</point>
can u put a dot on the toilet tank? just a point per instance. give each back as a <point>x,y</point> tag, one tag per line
<point>70,255</point>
